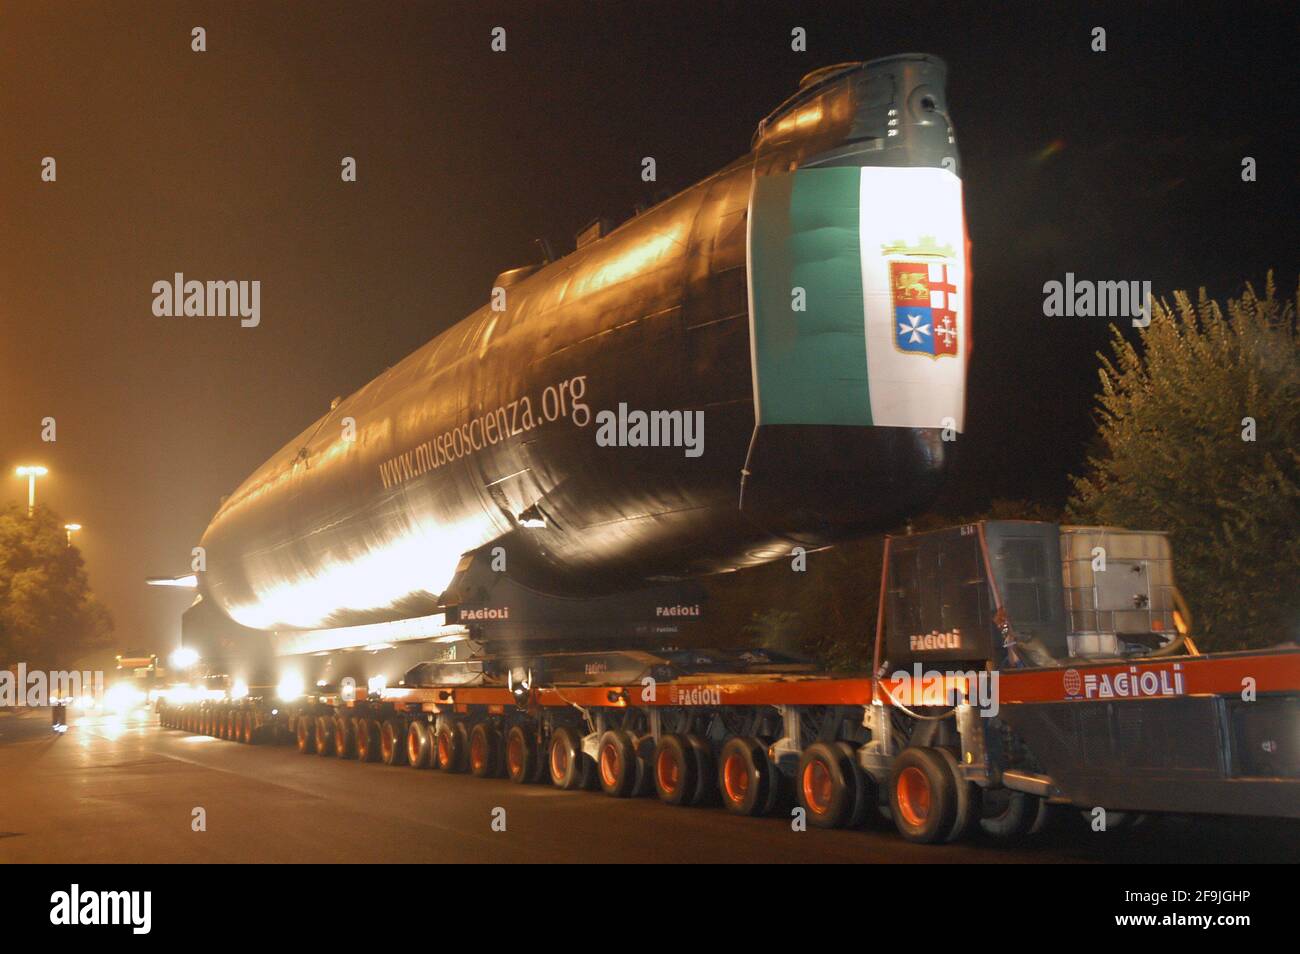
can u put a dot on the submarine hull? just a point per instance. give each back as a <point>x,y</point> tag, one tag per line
<point>716,381</point>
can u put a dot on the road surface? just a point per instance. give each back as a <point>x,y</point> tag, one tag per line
<point>114,790</point>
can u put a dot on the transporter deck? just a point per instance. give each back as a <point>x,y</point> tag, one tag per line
<point>941,753</point>
<point>977,714</point>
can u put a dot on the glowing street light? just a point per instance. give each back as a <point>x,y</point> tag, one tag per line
<point>31,473</point>
<point>184,657</point>
<point>71,528</point>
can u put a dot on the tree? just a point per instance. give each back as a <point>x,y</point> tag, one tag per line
<point>48,616</point>
<point>1199,429</point>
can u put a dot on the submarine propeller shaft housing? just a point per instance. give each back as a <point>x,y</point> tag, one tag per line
<point>799,320</point>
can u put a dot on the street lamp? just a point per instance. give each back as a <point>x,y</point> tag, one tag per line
<point>31,473</point>
<point>71,528</point>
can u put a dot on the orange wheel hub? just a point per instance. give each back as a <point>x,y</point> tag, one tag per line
<point>735,778</point>
<point>818,788</point>
<point>610,766</point>
<point>668,771</point>
<point>913,791</point>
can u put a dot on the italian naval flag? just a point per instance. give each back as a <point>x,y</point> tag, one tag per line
<point>857,288</point>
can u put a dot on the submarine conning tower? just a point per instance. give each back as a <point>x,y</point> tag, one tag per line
<point>859,388</point>
<point>890,111</point>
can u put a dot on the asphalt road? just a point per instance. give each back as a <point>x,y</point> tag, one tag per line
<point>112,790</point>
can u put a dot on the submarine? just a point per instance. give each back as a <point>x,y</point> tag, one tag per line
<point>802,315</point>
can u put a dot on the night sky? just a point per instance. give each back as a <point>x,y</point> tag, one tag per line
<point>225,165</point>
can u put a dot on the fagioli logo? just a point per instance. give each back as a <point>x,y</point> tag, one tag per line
<point>486,612</point>
<point>1132,683</point>
<point>679,610</point>
<point>695,696</point>
<point>935,640</point>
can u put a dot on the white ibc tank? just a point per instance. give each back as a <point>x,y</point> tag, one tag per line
<point>1119,588</point>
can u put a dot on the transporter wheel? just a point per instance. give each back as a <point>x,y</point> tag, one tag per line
<point>452,741</point>
<point>569,767</point>
<point>617,762</point>
<point>522,762</point>
<point>968,798</point>
<point>230,725</point>
<point>248,727</point>
<point>485,751</point>
<point>1010,814</point>
<point>305,734</point>
<point>825,785</point>
<point>744,776</point>
<point>345,737</point>
<point>419,745</point>
<point>644,749</point>
<point>922,795</point>
<point>676,770</point>
<point>706,771</point>
<point>324,735</point>
<point>368,747</point>
<point>865,794</point>
<point>392,742</point>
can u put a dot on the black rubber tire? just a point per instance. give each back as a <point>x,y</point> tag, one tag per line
<point>864,789</point>
<point>825,785</point>
<point>522,758</point>
<point>922,795</point>
<point>968,799</point>
<point>1008,814</point>
<point>568,766</point>
<point>419,745</point>
<point>367,739</point>
<point>247,727</point>
<point>706,772</point>
<point>305,734</point>
<point>392,742</point>
<point>617,761</point>
<point>675,770</point>
<point>744,776</point>
<point>452,742</point>
<point>345,737</point>
<point>325,736</point>
<point>485,746</point>
<point>644,748</point>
